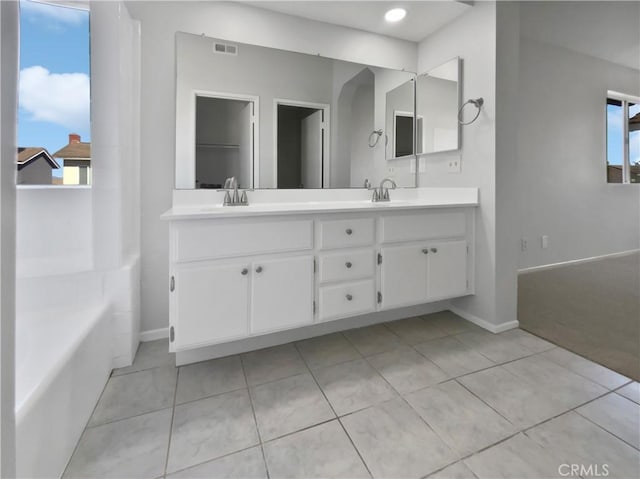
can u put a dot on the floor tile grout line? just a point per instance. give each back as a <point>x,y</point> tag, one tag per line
<point>401,396</point>
<point>255,418</point>
<point>334,411</point>
<point>244,449</point>
<point>173,415</point>
<point>487,404</point>
<point>605,429</point>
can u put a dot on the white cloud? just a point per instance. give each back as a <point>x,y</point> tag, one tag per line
<point>61,98</point>
<point>55,13</point>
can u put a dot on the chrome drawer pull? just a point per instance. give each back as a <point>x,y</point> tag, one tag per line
<point>425,251</point>
<point>348,231</point>
<point>434,250</point>
<point>349,297</point>
<point>244,271</point>
<point>259,269</point>
<point>348,264</point>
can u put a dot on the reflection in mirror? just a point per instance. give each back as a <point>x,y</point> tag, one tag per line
<point>224,141</point>
<point>280,119</point>
<point>301,144</point>
<point>437,104</point>
<point>399,120</point>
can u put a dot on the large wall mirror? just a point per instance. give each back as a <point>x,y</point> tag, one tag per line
<point>279,119</point>
<point>437,104</point>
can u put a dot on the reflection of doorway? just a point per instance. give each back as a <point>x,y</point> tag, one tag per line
<point>301,144</point>
<point>225,139</point>
<point>403,133</point>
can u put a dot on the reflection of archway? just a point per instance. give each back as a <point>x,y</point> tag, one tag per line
<point>355,120</point>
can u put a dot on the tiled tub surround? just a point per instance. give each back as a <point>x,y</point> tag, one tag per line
<point>370,402</point>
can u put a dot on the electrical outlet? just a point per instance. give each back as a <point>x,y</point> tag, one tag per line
<point>523,244</point>
<point>544,240</point>
<point>453,165</point>
<point>391,170</point>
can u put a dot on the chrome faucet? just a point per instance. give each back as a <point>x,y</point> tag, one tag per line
<point>382,193</point>
<point>237,198</point>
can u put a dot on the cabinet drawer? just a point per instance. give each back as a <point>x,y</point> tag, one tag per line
<point>346,233</point>
<point>346,265</point>
<point>448,224</point>
<point>334,301</point>
<point>198,240</point>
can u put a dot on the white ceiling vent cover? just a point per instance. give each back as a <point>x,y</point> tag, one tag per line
<point>225,48</point>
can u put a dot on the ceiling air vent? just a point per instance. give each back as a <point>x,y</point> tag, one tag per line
<point>225,48</point>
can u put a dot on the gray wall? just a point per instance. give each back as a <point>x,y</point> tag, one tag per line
<point>472,37</point>
<point>562,156</point>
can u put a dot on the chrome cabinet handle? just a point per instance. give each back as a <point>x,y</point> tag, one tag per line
<point>244,271</point>
<point>434,250</point>
<point>425,250</point>
<point>349,297</point>
<point>348,231</point>
<point>348,264</point>
<point>259,269</point>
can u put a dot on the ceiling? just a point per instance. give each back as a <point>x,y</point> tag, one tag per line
<point>606,30</point>
<point>423,17</point>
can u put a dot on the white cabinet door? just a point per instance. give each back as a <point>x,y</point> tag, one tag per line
<point>403,276</point>
<point>210,303</point>
<point>282,293</point>
<point>447,269</point>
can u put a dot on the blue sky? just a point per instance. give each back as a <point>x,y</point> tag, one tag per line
<point>54,75</point>
<point>614,136</point>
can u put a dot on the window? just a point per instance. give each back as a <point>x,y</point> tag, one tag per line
<point>623,138</point>
<point>54,144</point>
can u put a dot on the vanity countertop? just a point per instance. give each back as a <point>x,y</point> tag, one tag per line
<point>188,205</point>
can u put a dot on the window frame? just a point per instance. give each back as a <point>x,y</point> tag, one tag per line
<point>624,99</point>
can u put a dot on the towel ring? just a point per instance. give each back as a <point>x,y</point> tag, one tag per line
<point>378,134</point>
<point>478,102</point>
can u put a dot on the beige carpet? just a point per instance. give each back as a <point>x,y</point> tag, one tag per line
<point>592,309</point>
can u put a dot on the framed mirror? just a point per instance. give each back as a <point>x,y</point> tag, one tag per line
<point>437,104</point>
<point>278,119</point>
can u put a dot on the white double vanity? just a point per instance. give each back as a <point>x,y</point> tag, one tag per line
<point>311,247</point>
<point>244,271</point>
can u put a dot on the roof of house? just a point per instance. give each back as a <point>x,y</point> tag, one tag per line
<point>77,151</point>
<point>29,154</point>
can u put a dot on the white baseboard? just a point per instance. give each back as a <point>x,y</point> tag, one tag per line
<point>577,261</point>
<point>154,334</point>
<point>297,334</point>
<point>484,324</point>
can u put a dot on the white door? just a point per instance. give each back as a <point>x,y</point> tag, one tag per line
<point>447,269</point>
<point>282,293</point>
<point>311,150</point>
<point>403,276</point>
<point>245,147</point>
<point>210,304</point>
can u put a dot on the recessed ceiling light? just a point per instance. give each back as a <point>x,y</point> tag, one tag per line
<point>395,14</point>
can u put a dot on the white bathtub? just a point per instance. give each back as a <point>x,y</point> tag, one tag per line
<point>63,360</point>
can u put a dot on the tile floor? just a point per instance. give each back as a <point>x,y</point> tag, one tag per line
<point>430,396</point>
